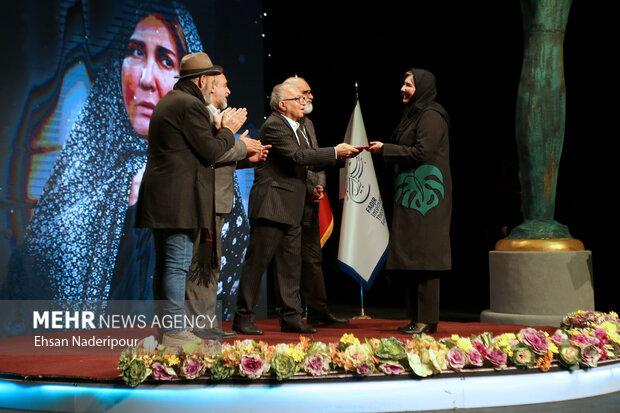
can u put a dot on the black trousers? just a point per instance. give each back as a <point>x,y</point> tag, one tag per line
<point>271,240</point>
<point>313,292</point>
<point>422,295</point>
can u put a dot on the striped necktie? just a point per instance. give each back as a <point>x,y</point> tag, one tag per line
<point>303,139</point>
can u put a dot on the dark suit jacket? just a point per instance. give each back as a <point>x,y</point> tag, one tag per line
<point>225,168</point>
<point>177,189</point>
<point>279,190</point>
<point>315,177</point>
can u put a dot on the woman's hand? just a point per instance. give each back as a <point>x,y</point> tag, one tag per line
<point>376,148</point>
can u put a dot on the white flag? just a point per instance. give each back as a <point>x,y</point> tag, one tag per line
<point>364,232</point>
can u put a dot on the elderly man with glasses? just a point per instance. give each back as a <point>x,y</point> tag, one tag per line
<point>276,209</point>
<point>312,288</point>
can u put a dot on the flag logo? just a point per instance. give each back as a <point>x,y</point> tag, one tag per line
<point>364,233</point>
<point>357,189</point>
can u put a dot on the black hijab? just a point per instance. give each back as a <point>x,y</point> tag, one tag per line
<point>73,237</point>
<point>423,99</point>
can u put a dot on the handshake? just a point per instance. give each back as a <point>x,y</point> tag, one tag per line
<point>345,151</point>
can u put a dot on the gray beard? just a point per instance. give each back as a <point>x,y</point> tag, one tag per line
<point>308,108</point>
<point>222,104</point>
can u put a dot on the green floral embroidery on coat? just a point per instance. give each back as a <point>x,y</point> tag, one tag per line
<point>420,189</point>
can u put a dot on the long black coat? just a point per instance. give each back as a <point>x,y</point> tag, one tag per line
<point>177,189</point>
<point>420,151</point>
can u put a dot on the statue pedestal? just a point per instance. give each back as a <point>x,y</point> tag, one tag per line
<point>538,287</point>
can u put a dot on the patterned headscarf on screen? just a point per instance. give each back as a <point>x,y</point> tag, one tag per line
<point>72,240</point>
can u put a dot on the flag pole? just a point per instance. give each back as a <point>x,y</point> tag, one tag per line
<point>362,315</point>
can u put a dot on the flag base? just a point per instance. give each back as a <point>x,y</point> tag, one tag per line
<point>362,316</point>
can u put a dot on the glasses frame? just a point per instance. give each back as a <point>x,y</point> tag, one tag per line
<point>297,98</point>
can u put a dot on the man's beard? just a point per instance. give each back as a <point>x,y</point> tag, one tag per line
<point>222,104</point>
<point>308,108</point>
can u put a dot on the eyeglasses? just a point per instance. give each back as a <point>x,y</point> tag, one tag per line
<point>300,99</point>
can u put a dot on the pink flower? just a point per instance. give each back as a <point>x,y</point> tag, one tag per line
<point>161,372</point>
<point>192,368</point>
<point>391,368</point>
<point>456,359</point>
<point>475,358</point>
<point>365,368</point>
<point>497,358</point>
<point>251,366</point>
<point>601,335</point>
<point>590,355</point>
<point>479,345</point>
<point>316,364</point>
<point>559,337</point>
<point>580,339</point>
<point>535,339</point>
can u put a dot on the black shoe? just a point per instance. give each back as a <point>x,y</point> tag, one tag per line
<point>248,329</point>
<point>214,333</point>
<point>296,327</point>
<point>408,328</point>
<point>228,334</point>
<point>328,318</point>
<point>413,328</point>
<point>209,333</point>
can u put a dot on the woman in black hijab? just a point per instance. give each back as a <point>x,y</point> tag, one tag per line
<point>419,244</point>
<point>81,243</point>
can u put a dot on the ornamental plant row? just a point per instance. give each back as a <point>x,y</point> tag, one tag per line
<point>583,339</point>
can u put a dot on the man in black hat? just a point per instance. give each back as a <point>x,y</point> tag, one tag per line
<point>176,197</point>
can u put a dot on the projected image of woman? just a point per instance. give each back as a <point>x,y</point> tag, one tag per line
<point>151,62</point>
<point>80,243</point>
<point>148,70</point>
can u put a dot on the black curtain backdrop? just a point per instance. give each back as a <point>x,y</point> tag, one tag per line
<point>475,49</point>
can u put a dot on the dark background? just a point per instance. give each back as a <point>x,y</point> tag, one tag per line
<point>475,49</point>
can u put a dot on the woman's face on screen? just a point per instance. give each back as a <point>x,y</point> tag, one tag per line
<point>150,64</point>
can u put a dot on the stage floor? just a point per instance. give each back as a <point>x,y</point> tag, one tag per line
<point>90,382</point>
<point>19,356</point>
